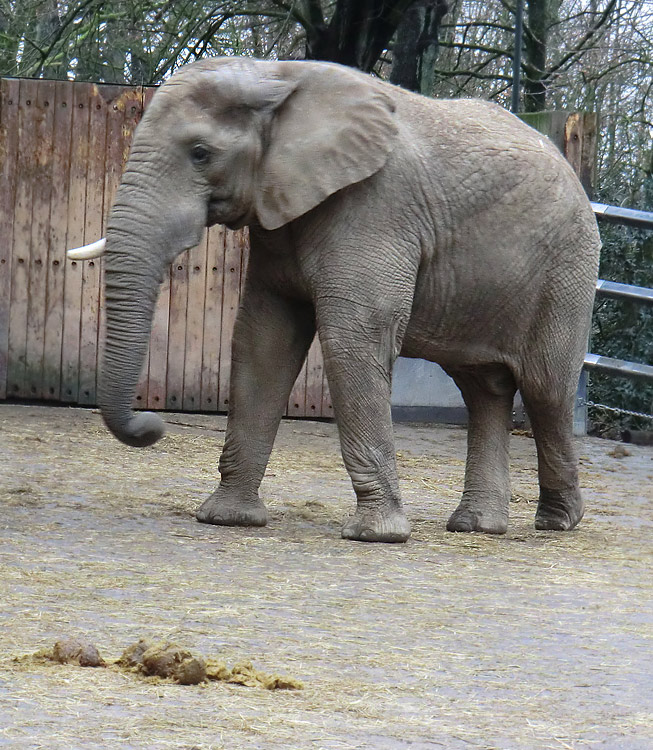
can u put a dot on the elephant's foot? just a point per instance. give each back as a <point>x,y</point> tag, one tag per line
<point>226,509</point>
<point>559,510</point>
<point>472,516</point>
<point>372,525</point>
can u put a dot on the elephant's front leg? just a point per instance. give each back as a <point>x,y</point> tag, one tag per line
<point>359,354</point>
<point>271,338</point>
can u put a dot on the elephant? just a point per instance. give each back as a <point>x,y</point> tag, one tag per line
<point>387,223</point>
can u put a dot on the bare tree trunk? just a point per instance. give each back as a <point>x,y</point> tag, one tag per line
<point>541,14</point>
<point>358,32</point>
<point>416,46</point>
<point>405,51</point>
<point>430,45</point>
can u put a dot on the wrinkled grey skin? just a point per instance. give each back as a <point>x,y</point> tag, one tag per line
<point>390,224</point>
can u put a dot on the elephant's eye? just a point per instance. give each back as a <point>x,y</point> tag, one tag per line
<point>200,155</point>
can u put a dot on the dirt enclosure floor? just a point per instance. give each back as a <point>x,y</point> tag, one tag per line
<point>534,640</point>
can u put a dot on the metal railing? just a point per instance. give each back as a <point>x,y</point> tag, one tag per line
<point>614,290</point>
<point>628,216</point>
<point>608,365</point>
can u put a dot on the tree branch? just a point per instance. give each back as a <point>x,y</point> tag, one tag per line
<point>579,48</point>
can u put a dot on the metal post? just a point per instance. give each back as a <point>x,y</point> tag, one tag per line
<point>580,407</point>
<point>516,61</point>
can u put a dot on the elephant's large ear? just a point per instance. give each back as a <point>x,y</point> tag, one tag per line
<point>335,128</point>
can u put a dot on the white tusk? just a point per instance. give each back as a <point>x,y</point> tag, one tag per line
<point>94,250</point>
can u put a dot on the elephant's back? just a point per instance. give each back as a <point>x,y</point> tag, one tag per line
<point>473,129</point>
<point>475,158</point>
<point>514,236</point>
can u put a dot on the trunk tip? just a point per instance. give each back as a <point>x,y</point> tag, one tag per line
<point>143,429</point>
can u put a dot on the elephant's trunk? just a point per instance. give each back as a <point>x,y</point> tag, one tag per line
<point>133,274</point>
<point>154,218</point>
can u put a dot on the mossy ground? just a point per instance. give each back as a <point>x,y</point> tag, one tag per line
<point>529,641</point>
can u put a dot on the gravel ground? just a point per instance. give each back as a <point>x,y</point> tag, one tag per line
<point>533,640</point>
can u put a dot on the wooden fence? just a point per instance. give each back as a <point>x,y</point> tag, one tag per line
<point>63,146</point>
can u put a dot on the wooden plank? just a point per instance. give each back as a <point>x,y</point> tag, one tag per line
<point>18,312</point>
<point>90,302</point>
<point>550,123</point>
<point>9,102</point>
<point>296,406</point>
<point>123,112</point>
<point>314,380</point>
<point>580,146</point>
<point>574,134</point>
<point>573,138</point>
<point>233,261</point>
<point>62,103</point>
<point>119,127</point>
<point>42,179</point>
<point>587,173</point>
<point>158,354</point>
<point>192,395</point>
<point>212,318</point>
<point>177,332</point>
<point>76,222</point>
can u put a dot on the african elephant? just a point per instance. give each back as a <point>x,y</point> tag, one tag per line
<point>388,223</point>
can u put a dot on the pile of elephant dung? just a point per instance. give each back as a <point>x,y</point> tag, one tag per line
<point>75,651</point>
<point>170,661</point>
<point>244,673</point>
<point>164,661</point>
<point>79,652</point>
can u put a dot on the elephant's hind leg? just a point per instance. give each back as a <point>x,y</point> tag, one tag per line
<point>488,393</point>
<point>548,386</point>
<point>560,506</point>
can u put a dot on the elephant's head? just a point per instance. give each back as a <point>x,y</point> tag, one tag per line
<point>229,141</point>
